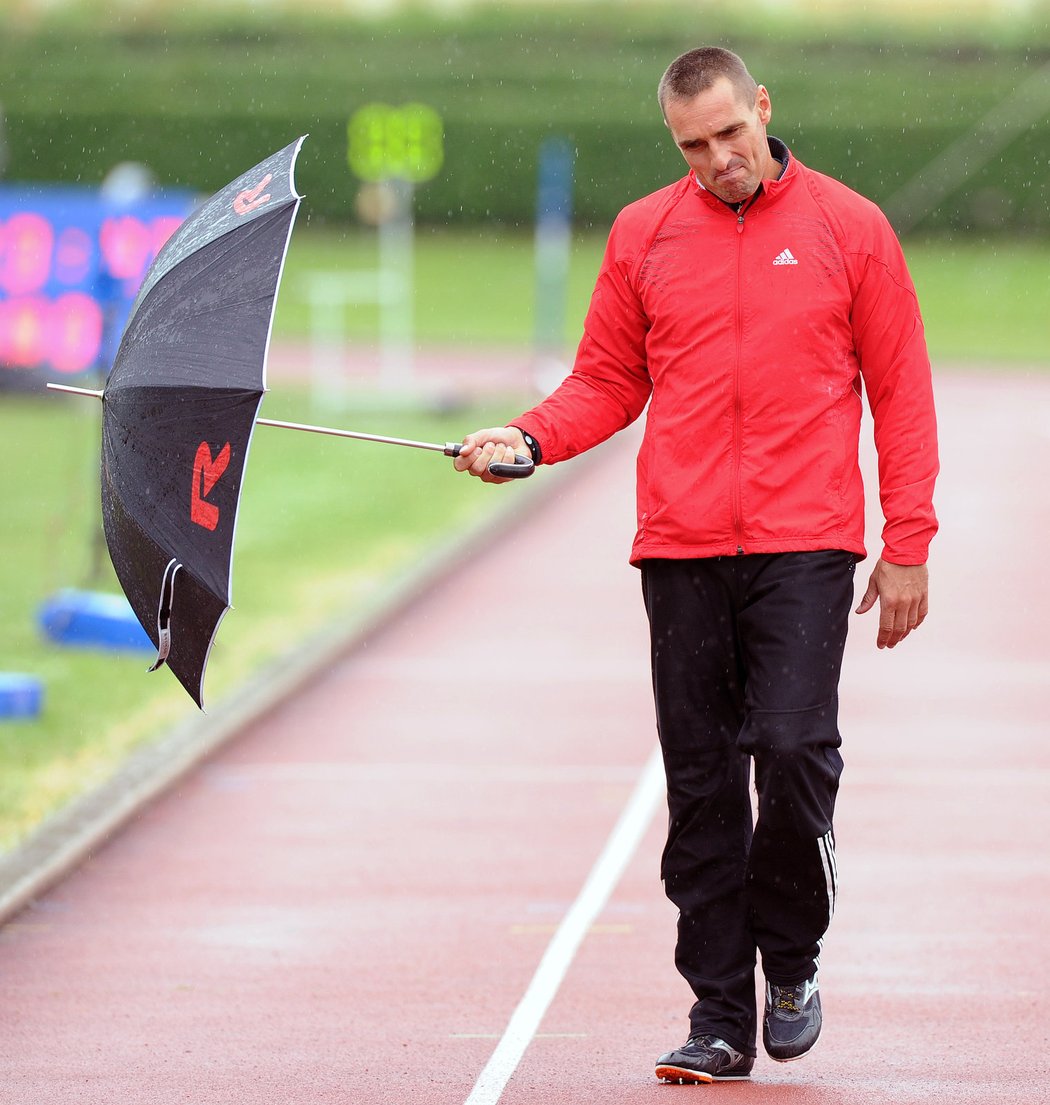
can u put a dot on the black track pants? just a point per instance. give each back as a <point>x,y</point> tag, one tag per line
<point>746,655</point>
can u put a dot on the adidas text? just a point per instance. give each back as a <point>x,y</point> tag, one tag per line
<point>785,258</point>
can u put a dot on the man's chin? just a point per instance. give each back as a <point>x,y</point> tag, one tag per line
<point>732,191</point>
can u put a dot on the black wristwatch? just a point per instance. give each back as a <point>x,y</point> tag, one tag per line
<point>532,443</point>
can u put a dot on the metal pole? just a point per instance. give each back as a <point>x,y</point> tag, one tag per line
<point>520,468</point>
<point>552,250</point>
<point>95,394</point>
<point>397,288</point>
<point>449,449</point>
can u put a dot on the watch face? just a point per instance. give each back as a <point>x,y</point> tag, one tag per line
<point>531,443</point>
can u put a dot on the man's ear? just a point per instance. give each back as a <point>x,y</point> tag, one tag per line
<point>763,105</point>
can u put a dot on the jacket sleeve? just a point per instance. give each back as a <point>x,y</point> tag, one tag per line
<point>609,384</point>
<point>894,364</point>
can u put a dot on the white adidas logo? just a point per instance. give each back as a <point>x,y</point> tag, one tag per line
<point>785,258</point>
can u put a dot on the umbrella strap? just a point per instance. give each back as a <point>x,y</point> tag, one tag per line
<point>167,596</point>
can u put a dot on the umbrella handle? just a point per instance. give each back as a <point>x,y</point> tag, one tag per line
<point>521,469</point>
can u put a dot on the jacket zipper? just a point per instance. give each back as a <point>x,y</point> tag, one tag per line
<point>738,428</point>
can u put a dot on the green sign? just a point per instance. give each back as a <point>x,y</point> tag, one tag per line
<point>406,142</point>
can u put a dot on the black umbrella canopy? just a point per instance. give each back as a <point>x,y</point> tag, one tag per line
<point>180,405</point>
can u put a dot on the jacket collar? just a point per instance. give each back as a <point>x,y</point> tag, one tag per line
<point>769,188</point>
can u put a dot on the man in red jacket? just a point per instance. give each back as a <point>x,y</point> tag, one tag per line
<point>748,304</point>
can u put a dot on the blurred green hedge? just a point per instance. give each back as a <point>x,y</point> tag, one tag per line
<point>199,99</point>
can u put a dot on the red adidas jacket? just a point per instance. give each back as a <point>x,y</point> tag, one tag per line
<point>749,335</point>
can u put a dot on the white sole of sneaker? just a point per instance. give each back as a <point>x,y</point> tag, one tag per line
<point>795,1058</point>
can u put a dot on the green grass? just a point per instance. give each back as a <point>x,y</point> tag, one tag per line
<point>324,525</point>
<point>983,302</point>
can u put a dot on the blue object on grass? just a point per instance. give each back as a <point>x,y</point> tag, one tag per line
<point>21,696</point>
<point>93,619</point>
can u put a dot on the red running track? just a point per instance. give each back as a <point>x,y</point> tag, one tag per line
<point>350,902</point>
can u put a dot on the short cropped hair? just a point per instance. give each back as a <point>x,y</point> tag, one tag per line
<point>696,71</point>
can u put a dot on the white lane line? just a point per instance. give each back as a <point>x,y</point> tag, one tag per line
<point>605,874</point>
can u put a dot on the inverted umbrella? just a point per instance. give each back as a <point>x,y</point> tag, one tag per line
<point>180,405</point>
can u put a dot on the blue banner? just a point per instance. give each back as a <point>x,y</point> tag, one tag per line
<point>71,262</point>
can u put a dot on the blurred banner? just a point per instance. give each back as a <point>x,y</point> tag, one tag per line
<point>71,262</point>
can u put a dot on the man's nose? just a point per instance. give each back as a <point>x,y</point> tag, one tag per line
<point>721,155</point>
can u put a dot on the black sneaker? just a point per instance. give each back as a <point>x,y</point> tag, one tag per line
<point>704,1059</point>
<point>792,1019</point>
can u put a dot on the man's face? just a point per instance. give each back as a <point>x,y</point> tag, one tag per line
<point>723,139</point>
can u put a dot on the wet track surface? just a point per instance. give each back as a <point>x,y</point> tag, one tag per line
<point>348,902</point>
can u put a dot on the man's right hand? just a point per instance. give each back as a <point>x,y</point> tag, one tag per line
<point>492,446</point>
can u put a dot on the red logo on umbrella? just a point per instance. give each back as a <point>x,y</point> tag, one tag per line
<point>206,472</point>
<point>251,198</point>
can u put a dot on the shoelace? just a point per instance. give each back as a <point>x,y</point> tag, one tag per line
<point>787,999</point>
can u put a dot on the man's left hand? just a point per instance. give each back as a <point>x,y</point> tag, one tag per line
<point>903,594</point>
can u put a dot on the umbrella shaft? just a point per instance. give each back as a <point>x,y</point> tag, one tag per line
<point>448,448</point>
<point>76,391</point>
